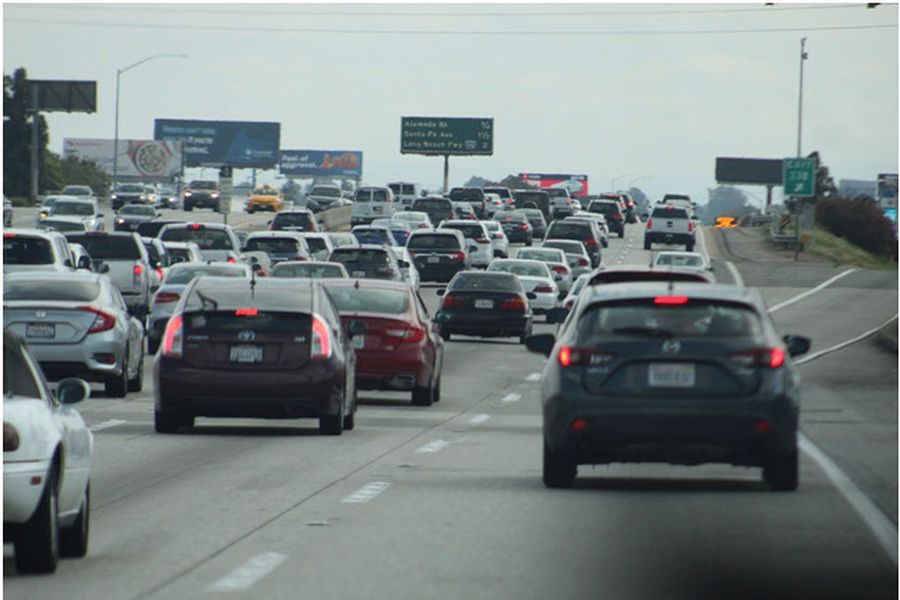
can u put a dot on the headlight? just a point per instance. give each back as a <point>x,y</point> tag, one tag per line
<point>10,438</point>
<point>187,193</point>
<point>120,220</point>
<point>42,214</point>
<point>113,197</point>
<point>215,194</point>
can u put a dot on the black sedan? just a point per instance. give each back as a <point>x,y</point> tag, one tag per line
<point>131,215</point>
<point>266,348</point>
<point>485,304</point>
<point>673,373</point>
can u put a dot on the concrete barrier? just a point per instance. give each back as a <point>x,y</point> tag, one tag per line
<point>335,219</point>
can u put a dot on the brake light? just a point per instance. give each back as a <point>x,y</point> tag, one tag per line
<point>517,304</point>
<point>590,243</point>
<point>9,235</point>
<point>570,355</point>
<point>525,227</point>
<point>321,339</point>
<point>102,322</point>
<point>159,273</point>
<point>649,223</point>
<point>560,269</point>
<point>231,259</point>
<point>407,336</point>
<point>246,312</point>
<point>482,240</point>
<point>543,289</point>
<point>458,256</point>
<point>138,270</point>
<point>173,337</point>
<point>583,262</point>
<point>771,358</point>
<point>196,226</point>
<point>690,225</point>
<point>453,301</point>
<point>670,300</point>
<point>163,297</point>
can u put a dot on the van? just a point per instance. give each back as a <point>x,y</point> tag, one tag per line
<point>405,193</point>
<point>370,203</point>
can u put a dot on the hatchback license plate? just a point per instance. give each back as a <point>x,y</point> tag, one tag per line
<point>40,330</point>
<point>246,354</point>
<point>484,304</point>
<point>672,375</point>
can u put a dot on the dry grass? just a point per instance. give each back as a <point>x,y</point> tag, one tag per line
<point>843,252</point>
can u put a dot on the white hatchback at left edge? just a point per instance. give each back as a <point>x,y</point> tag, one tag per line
<point>47,450</point>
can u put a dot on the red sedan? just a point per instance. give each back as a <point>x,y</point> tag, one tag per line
<point>401,349</point>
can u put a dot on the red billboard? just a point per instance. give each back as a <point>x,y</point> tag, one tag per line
<point>577,184</point>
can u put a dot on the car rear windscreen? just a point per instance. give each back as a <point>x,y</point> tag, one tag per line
<point>469,231</point>
<point>205,237</point>
<point>466,195</point>
<point>564,229</point>
<point>604,208</point>
<point>108,247</point>
<point>486,282</point>
<point>62,225</point>
<point>360,255</point>
<point>185,275</point>
<point>308,271</point>
<point>669,213</point>
<point>350,299</point>
<point>371,196</point>
<point>259,321</point>
<point>631,276</point>
<point>291,220</point>
<point>431,241</point>
<point>71,291</point>
<point>273,245</point>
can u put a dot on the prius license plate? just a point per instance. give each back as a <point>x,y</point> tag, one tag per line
<point>671,375</point>
<point>484,304</point>
<point>246,354</point>
<point>40,330</point>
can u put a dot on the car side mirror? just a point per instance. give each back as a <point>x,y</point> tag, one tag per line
<point>104,268</point>
<point>256,267</point>
<point>557,315</point>
<point>356,328</point>
<point>84,262</point>
<point>542,343</point>
<point>441,291</point>
<point>72,390</point>
<point>645,215</point>
<point>100,215</point>
<point>403,264</point>
<point>562,295</point>
<point>531,295</point>
<point>473,248</point>
<point>797,344</point>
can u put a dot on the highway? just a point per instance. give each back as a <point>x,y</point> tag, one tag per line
<point>447,501</point>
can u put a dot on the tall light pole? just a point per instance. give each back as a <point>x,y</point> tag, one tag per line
<point>115,173</point>
<point>803,57</point>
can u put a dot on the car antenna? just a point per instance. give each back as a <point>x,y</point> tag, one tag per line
<point>252,282</point>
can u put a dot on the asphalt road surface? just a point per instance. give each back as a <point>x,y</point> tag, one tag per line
<point>447,501</point>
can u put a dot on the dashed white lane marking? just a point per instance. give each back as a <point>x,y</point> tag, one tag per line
<point>513,397</point>
<point>479,419</point>
<point>880,525</point>
<point>366,493</point>
<point>248,573</point>
<point>807,293</point>
<point>536,376</point>
<point>844,344</point>
<point>108,424</point>
<point>432,447</point>
<point>738,280</point>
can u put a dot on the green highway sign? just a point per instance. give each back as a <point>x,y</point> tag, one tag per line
<point>799,177</point>
<point>446,136</point>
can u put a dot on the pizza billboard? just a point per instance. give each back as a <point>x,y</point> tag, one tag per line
<point>577,184</point>
<point>137,159</point>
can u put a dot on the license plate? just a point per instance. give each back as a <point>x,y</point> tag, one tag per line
<point>358,274</point>
<point>358,342</point>
<point>434,259</point>
<point>376,209</point>
<point>484,304</point>
<point>246,354</point>
<point>40,330</point>
<point>672,375</point>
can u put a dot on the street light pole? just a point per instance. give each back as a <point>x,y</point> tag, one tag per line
<point>115,169</point>
<point>798,202</point>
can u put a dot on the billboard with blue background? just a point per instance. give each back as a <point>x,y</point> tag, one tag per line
<point>321,163</point>
<point>244,144</point>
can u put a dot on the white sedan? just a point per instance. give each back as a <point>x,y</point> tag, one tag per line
<point>535,277</point>
<point>499,241</point>
<point>47,452</point>
<point>685,260</point>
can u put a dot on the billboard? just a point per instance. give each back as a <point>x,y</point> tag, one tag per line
<point>446,135</point>
<point>137,159</point>
<point>762,171</point>
<point>321,163</point>
<point>243,144</point>
<point>577,184</point>
<point>55,95</point>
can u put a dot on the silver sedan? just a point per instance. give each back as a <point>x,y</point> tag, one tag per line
<point>77,325</point>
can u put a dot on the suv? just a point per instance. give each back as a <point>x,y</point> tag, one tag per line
<point>581,230</point>
<point>203,194</point>
<point>438,255</point>
<point>123,257</point>
<point>36,250</point>
<point>473,195</point>
<point>670,224</point>
<point>216,240</point>
<point>127,193</point>
<point>437,208</point>
<point>481,250</point>
<point>504,193</point>
<point>324,196</point>
<point>560,202</point>
<point>369,261</point>
<point>610,209</point>
<point>294,220</point>
<point>539,198</point>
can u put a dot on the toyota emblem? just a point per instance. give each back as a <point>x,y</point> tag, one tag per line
<point>671,347</point>
<point>246,336</point>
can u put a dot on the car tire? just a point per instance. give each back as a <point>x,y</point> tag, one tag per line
<point>333,424</point>
<point>249,210</point>
<point>622,233</point>
<point>781,472</point>
<point>152,346</point>
<point>689,247</point>
<point>436,396</point>
<point>423,395</point>
<point>165,422</point>
<point>648,244</point>
<point>559,469</point>
<point>445,335</point>
<point>117,385</point>
<point>137,384</point>
<point>73,540</point>
<point>350,419</point>
<point>37,541</point>
<point>188,207</point>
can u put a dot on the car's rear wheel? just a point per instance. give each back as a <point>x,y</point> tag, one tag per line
<point>423,395</point>
<point>333,424</point>
<point>166,422</point>
<point>528,241</point>
<point>37,541</point>
<point>73,540</point>
<point>647,244</point>
<point>188,207</point>
<point>689,247</point>
<point>559,468</point>
<point>117,385</point>
<point>350,419</point>
<point>152,346</point>
<point>137,384</point>
<point>781,472</point>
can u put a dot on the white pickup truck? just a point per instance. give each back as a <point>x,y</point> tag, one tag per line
<point>670,224</point>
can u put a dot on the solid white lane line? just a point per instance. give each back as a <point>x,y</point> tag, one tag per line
<point>818,288</point>
<point>536,376</point>
<point>432,447</point>
<point>738,280</point>
<point>107,424</point>
<point>880,525</point>
<point>479,419</point>
<point>366,493</point>
<point>844,344</point>
<point>513,397</point>
<point>248,573</point>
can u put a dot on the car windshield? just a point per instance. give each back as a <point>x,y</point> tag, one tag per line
<point>328,192</point>
<point>203,185</point>
<point>80,209</point>
<point>184,274</point>
<point>72,291</point>
<point>206,237</point>
<point>308,270</point>
<point>679,260</point>
<point>130,189</point>
<point>520,268</point>
<point>370,300</point>
<point>23,250</point>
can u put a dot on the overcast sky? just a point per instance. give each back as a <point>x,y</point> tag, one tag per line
<point>648,94</point>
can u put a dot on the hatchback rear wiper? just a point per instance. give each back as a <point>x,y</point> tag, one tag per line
<point>643,331</point>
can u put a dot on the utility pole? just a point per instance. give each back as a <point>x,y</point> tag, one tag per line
<point>35,141</point>
<point>798,202</point>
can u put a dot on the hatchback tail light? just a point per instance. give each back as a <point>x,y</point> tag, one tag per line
<point>405,336</point>
<point>453,301</point>
<point>543,289</point>
<point>102,322</point>
<point>321,339</point>
<point>590,243</point>
<point>517,304</point>
<point>137,271</point>
<point>771,358</point>
<point>571,356</point>
<point>163,297</point>
<point>583,262</point>
<point>524,227</point>
<point>173,337</point>
<point>231,259</point>
<point>560,269</point>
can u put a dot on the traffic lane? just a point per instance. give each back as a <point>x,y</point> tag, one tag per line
<point>470,518</point>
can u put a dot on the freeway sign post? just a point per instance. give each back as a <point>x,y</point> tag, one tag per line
<point>443,136</point>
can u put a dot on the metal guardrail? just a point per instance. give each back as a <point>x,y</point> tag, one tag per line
<point>782,230</point>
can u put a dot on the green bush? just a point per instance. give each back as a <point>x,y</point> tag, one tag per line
<point>861,222</point>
